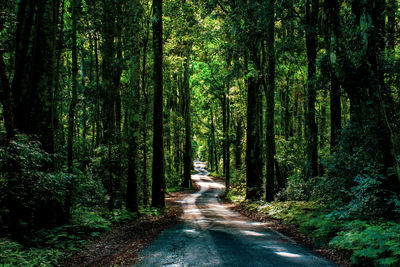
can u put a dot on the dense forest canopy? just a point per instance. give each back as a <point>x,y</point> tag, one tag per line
<point>104,105</point>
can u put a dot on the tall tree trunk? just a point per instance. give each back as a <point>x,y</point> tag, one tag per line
<point>97,94</point>
<point>270,96</point>
<point>74,98</point>
<point>71,113</point>
<point>238,142</point>
<point>109,88</point>
<point>5,98</point>
<point>332,40</point>
<point>145,114</point>
<point>56,114</point>
<point>311,126</point>
<point>253,153</point>
<point>34,70</point>
<point>228,143</point>
<point>158,187</point>
<point>133,109</point>
<point>22,66</point>
<point>214,144</point>
<point>5,89</point>
<point>187,156</point>
<point>391,25</point>
<point>375,50</point>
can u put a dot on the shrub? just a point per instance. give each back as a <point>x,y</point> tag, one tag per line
<point>14,254</point>
<point>29,189</point>
<point>321,229</point>
<point>89,220</point>
<point>367,243</point>
<point>296,189</point>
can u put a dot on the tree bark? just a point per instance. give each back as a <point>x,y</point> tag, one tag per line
<point>74,98</point>
<point>158,187</point>
<point>187,156</point>
<point>71,113</point>
<point>133,109</point>
<point>311,126</point>
<point>253,153</point>
<point>238,142</point>
<point>145,113</point>
<point>270,97</point>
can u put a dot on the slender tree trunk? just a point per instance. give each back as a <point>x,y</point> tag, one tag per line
<point>187,156</point>
<point>56,114</point>
<point>74,98</point>
<point>391,25</point>
<point>133,110</point>
<point>228,144</point>
<point>214,144</point>
<point>333,45</point>
<point>109,88</point>
<point>253,153</point>
<point>98,94</point>
<point>158,186</point>
<point>270,96</point>
<point>145,114</point>
<point>238,143</point>
<point>311,126</point>
<point>71,113</point>
<point>5,98</point>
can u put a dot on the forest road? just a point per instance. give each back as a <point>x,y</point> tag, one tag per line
<point>210,234</point>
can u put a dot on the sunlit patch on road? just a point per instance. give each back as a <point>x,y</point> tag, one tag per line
<point>287,254</point>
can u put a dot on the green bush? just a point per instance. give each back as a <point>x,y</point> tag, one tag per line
<point>296,189</point>
<point>99,172</point>
<point>89,191</point>
<point>321,229</point>
<point>29,189</point>
<point>89,220</point>
<point>14,254</point>
<point>370,243</point>
<point>122,216</point>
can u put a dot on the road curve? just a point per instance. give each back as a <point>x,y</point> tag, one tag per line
<point>212,235</point>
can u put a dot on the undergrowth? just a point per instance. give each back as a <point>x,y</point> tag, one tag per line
<point>49,247</point>
<point>365,243</point>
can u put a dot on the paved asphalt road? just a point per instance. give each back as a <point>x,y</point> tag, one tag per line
<point>212,235</point>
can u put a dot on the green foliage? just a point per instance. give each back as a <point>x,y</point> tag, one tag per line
<point>90,191</point>
<point>296,189</point>
<point>122,216</point>
<point>14,254</point>
<point>89,219</point>
<point>216,175</point>
<point>322,228</point>
<point>29,192</point>
<point>66,238</point>
<point>106,167</point>
<point>354,188</point>
<point>370,243</point>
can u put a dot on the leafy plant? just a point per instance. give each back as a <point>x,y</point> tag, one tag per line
<point>89,220</point>
<point>29,192</point>
<point>369,243</point>
<point>14,254</point>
